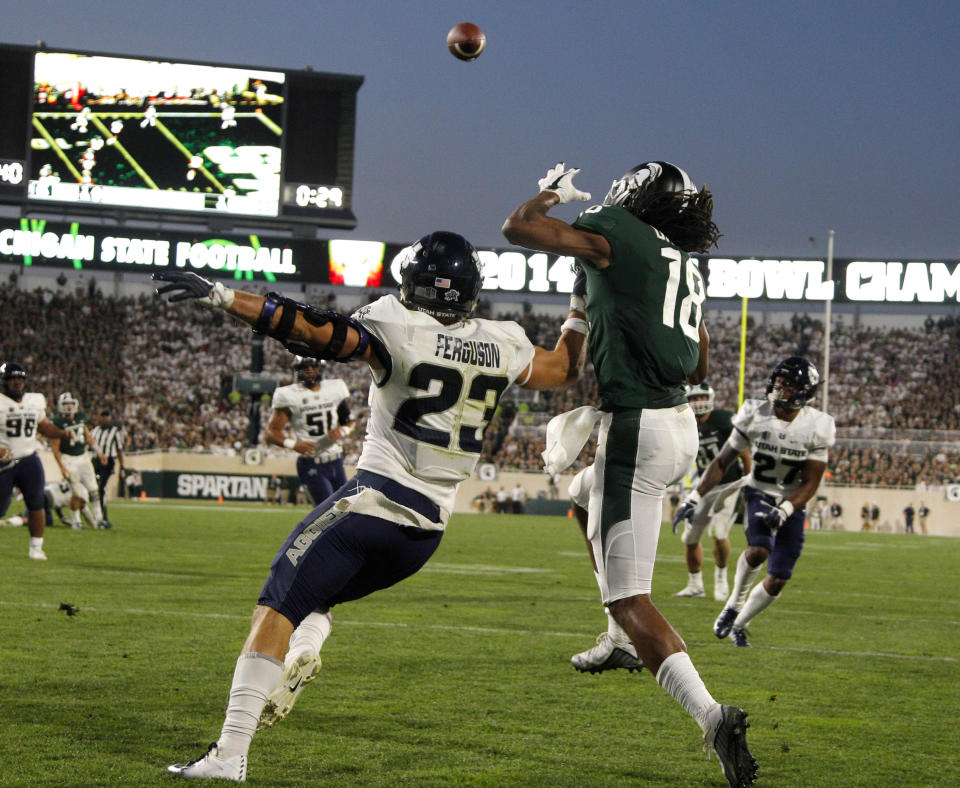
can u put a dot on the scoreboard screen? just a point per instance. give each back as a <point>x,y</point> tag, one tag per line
<point>99,133</point>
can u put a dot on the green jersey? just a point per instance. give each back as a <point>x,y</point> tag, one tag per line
<point>713,434</point>
<point>76,444</point>
<point>644,311</point>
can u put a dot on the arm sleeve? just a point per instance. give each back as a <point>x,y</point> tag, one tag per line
<point>524,350</point>
<point>379,318</point>
<point>280,398</point>
<point>740,435</point>
<point>824,437</point>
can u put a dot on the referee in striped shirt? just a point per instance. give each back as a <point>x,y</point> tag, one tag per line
<point>108,439</point>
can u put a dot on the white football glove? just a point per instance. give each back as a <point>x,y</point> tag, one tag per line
<point>220,297</point>
<point>559,180</point>
<point>186,284</point>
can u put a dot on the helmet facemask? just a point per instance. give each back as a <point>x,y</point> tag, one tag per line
<point>308,371</point>
<point>67,404</point>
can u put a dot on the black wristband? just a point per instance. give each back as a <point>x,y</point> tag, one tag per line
<point>287,318</point>
<point>270,306</point>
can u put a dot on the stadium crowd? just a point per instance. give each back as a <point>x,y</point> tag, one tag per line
<point>169,372</point>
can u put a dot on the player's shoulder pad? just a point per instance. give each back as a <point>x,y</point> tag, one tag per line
<point>599,218</point>
<point>748,410</point>
<point>35,399</point>
<point>282,396</point>
<point>340,389</point>
<point>825,429</point>
<point>386,309</point>
<point>722,415</point>
<point>503,330</point>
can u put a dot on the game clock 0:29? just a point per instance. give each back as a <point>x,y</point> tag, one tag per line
<point>308,195</point>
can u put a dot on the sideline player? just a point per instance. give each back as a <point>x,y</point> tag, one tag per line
<point>438,374</point>
<point>71,455</point>
<point>717,515</point>
<point>22,416</point>
<point>923,513</point>
<point>789,440</point>
<point>318,412</point>
<point>644,295</point>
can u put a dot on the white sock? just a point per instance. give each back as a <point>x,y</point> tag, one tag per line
<point>720,575</point>
<point>615,632</point>
<point>36,542</point>
<point>679,677</point>
<point>88,515</point>
<point>75,517</point>
<point>758,601</point>
<point>310,635</point>
<point>743,578</point>
<point>695,580</point>
<point>95,508</point>
<point>254,678</point>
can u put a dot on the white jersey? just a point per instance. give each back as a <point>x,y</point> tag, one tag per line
<point>18,423</point>
<point>59,493</point>
<point>314,413</point>
<point>428,414</point>
<point>779,448</point>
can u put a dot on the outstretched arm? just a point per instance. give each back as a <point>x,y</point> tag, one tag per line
<point>298,326</point>
<point>530,226</point>
<point>561,366</point>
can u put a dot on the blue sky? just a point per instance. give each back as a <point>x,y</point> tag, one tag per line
<point>799,117</point>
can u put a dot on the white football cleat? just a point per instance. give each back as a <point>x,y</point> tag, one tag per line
<point>607,655</point>
<point>37,554</point>
<point>212,766</point>
<point>692,591</point>
<point>296,675</point>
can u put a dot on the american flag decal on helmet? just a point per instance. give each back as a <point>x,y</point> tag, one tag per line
<point>441,282</point>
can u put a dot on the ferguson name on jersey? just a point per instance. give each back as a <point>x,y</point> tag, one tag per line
<point>431,441</point>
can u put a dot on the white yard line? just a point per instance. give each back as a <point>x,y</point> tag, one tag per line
<point>481,630</point>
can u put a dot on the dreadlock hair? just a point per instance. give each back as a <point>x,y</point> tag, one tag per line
<point>686,221</point>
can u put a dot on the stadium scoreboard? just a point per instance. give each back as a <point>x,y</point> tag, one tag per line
<point>91,133</point>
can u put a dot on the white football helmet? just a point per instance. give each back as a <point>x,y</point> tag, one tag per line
<point>700,397</point>
<point>67,403</point>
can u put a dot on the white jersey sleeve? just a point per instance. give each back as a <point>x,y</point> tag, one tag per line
<point>740,436</point>
<point>441,388</point>
<point>19,421</point>
<point>780,448</point>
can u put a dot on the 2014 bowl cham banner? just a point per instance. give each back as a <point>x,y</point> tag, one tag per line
<point>39,243</point>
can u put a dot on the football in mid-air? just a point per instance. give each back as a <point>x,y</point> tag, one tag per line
<point>466,41</point>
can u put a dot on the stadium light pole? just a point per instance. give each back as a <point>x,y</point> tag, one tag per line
<point>826,328</point>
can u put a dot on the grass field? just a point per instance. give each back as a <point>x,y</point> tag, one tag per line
<point>460,675</point>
